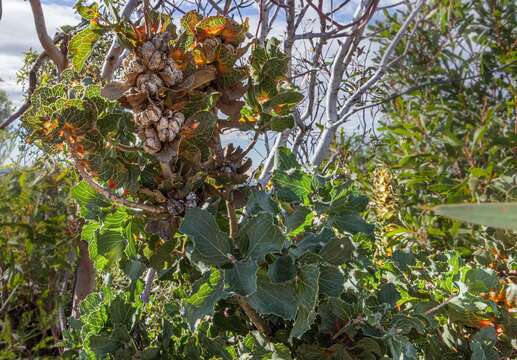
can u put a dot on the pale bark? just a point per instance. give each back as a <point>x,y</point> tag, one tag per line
<point>46,41</point>
<point>111,62</point>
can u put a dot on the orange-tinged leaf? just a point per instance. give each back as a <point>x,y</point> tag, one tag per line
<point>190,20</point>
<point>211,26</point>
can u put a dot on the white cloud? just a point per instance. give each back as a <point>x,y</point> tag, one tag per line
<point>17,35</point>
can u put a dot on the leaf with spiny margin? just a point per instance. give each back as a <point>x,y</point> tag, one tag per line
<point>276,299</point>
<point>263,237</point>
<point>332,280</point>
<point>282,269</point>
<point>202,302</point>
<point>210,244</point>
<point>307,290</point>
<point>90,202</point>
<point>337,251</point>
<point>87,12</point>
<point>81,46</point>
<point>241,278</point>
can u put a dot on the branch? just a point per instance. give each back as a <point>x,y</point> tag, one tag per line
<point>255,318</point>
<point>383,66</point>
<point>112,197</point>
<point>281,140</point>
<point>111,61</point>
<point>149,277</point>
<point>46,42</point>
<point>333,122</point>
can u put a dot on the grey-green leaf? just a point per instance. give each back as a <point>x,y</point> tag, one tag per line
<point>332,280</point>
<point>263,237</point>
<point>282,269</point>
<point>271,298</point>
<point>211,245</point>
<point>241,278</point>
<point>337,251</point>
<point>497,215</point>
<point>203,301</point>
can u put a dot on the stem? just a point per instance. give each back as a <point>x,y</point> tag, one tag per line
<point>255,318</point>
<point>439,306</point>
<point>232,217</point>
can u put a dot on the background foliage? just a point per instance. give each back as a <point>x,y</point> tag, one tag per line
<point>348,262</point>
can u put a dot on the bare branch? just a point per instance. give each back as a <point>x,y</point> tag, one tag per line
<point>335,120</point>
<point>111,61</point>
<point>46,41</point>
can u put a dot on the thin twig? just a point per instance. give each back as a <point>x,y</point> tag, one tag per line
<point>440,305</point>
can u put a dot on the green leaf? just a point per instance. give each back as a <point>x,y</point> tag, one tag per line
<point>293,185</point>
<point>299,220</point>
<point>303,322</point>
<point>351,223</point>
<point>497,215</point>
<point>81,46</point>
<point>87,12</point>
<point>131,232</point>
<point>202,302</point>
<point>210,243</point>
<point>389,294</point>
<point>307,295</point>
<point>285,160</point>
<point>241,278</point>
<point>263,237</point>
<point>337,251</point>
<point>89,200</point>
<point>332,280</point>
<point>103,345</point>
<point>111,245</point>
<point>483,345</point>
<point>480,280</point>
<point>276,299</point>
<point>282,269</point>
